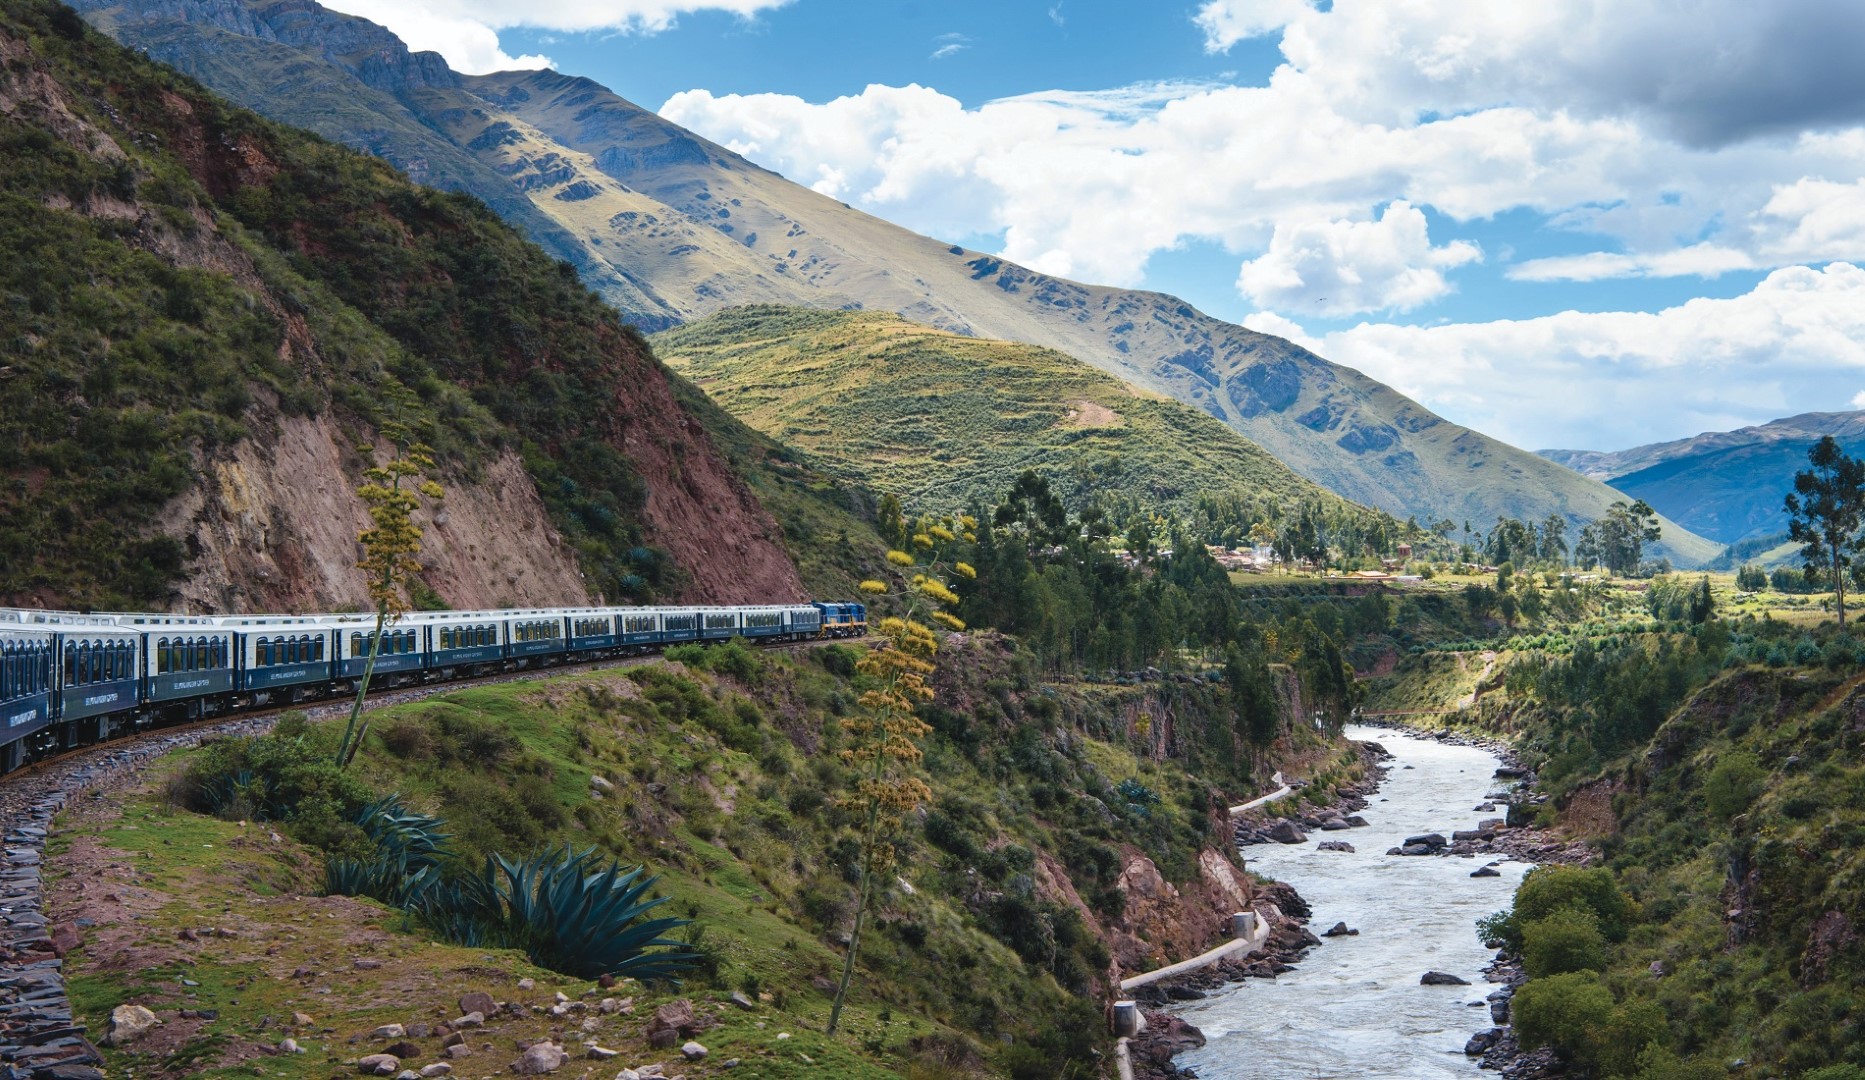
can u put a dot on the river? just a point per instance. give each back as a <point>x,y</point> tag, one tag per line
<point>1354,1006</point>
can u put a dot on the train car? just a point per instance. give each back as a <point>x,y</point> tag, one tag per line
<point>282,655</point>
<point>594,629</point>
<point>801,621</point>
<point>639,628</point>
<point>767,621</point>
<point>679,624</point>
<point>185,659</point>
<point>463,640</point>
<point>26,688</point>
<point>536,634</point>
<point>98,667</point>
<point>403,650</point>
<point>717,624</point>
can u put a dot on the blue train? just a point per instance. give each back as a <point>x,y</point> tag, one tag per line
<point>68,679</point>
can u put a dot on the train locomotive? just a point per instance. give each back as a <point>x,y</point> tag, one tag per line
<point>69,679</point>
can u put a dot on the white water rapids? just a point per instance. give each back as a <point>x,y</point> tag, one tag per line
<point>1354,1006</point>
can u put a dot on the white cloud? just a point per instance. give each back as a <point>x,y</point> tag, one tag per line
<point>1344,267</point>
<point>1698,260</point>
<point>1226,22</point>
<point>1858,400</point>
<point>465,32</point>
<point>1615,379</point>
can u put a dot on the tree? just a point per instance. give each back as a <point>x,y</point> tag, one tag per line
<point>1553,543</point>
<point>1618,540</point>
<point>1826,510</point>
<point>393,541</point>
<point>884,733</point>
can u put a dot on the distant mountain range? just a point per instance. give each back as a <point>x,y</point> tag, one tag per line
<point>1726,485</point>
<point>670,227</point>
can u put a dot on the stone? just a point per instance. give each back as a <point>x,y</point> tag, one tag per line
<point>127,1024</point>
<point>540,1058</point>
<point>299,1019</point>
<point>439,1068</point>
<point>743,1000</point>
<point>1334,824</point>
<point>670,1023</point>
<point>403,1049</point>
<point>1286,832</point>
<point>1486,871</point>
<point>601,783</point>
<point>407,1074</point>
<point>1340,929</point>
<point>366,965</point>
<point>289,1046</point>
<point>599,1053</point>
<point>389,1031</point>
<point>470,1020</point>
<point>1499,1011</point>
<point>378,1065</point>
<point>1658,969</point>
<point>478,1002</point>
<point>452,1039</point>
<point>692,1051</point>
<point>458,1051</point>
<point>1441,978</point>
<point>1479,1043</point>
<point>420,1030</point>
<point>527,984</point>
<point>1335,845</point>
<point>1430,840</point>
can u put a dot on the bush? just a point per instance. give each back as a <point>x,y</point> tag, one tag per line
<point>1548,889</point>
<point>1568,940</point>
<point>1734,784</point>
<point>1567,1012</point>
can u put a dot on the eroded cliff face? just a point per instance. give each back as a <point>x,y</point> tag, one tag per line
<point>273,526</point>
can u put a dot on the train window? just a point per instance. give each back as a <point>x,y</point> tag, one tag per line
<point>164,660</point>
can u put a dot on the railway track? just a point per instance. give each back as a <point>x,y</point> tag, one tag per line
<point>40,1039</point>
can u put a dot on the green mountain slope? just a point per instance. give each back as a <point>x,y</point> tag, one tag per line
<point>699,229</point>
<point>1726,485</point>
<point>207,312</point>
<point>946,421</point>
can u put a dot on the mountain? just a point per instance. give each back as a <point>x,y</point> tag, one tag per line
<point>207,315</point>
<point>948,421</point>
<point>1726,485</point>
<point>692,229</point>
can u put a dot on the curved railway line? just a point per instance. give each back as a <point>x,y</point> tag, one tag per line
<point>40,1039</point>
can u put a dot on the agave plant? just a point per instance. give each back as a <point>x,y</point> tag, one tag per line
<point>387,878</point>
<point>401,832</point>
<point>566,911</point>
<point>244,790</point>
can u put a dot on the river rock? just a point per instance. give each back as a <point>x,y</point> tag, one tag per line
<point>1334,824</point>
<point>1286,832</point>
<point>1339,929</point>
<point>1334,845</point>
<point>1486,871</point>
<point>1429,840</point>
<point>127,1024</point>
<point>1479,1043</point>
<point>1355,821</point>
<point>1441,978</point>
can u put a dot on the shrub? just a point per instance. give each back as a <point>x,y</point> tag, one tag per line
<point>1567,940</point>
<point>1548,889</point>
<point>1734,784</point>
<point>1567,1012</point>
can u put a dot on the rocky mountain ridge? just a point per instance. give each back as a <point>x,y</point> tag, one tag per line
<point>674,227</point>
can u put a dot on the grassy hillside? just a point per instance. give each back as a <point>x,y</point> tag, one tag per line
<point>1002,916</point>
<point>209,312</point>
<point>946,421</point>
<point>1715,769</point>
<point>696,229</point>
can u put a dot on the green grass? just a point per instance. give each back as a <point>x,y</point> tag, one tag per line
<point>945,421</point>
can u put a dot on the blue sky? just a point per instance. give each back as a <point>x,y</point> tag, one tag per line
<point>1588,223</point>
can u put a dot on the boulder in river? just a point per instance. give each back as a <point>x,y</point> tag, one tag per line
<point>1339,929</point>
<point>1441,978</point>
<point>1486,871</point>
<point>1286,832</point>
<point>1334,845</point>
<point>1430,840</point>
<point>1480,1043</point>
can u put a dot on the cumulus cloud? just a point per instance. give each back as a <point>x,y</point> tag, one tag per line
<point>1226,22</point>
<point>1609,380</point>
<point>1346,267</point>
<point>1858,400</point>
<point>465,32</point>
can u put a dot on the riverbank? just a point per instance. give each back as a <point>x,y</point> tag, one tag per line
<point>1393,919</point>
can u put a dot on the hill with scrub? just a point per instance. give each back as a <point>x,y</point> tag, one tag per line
<point>946,422</point>
<point>672,227</point>
<point>209,313</point>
